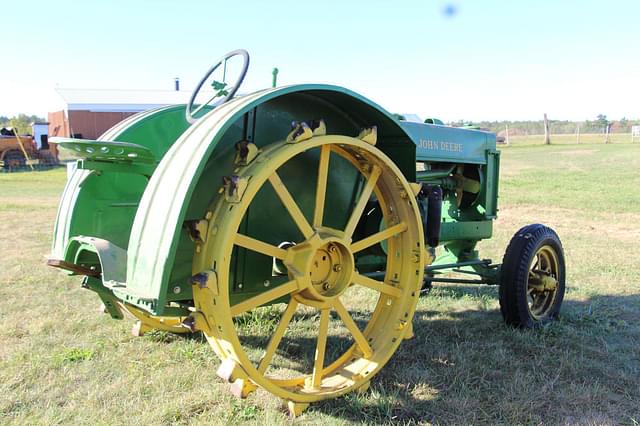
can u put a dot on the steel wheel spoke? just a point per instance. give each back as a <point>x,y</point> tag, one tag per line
<point>377,285</point>
<point>318,363</point>
<point>274,342</point>
<point>377,237</point>
<point>362,202</point>
<point>353,328</point>
<point>321,187</point>
<point>260,247</point>
<point>535,265</point>
<point>290,205</point>
<point>263,298</point>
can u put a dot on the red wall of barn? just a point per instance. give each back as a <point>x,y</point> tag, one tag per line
<point>90,125</point>
<point>58,124</point>
<point>85,124</point>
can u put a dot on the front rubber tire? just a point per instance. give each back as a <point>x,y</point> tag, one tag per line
<point>525,250</point>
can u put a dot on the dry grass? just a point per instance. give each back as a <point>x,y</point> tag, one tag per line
<point>63,363</point>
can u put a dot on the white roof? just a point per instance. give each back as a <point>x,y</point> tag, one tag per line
<point>120,100</point>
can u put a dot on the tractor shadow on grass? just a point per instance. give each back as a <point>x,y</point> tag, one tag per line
<point>466,366</point>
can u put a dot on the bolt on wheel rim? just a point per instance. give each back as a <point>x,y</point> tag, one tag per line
<point>542,282</point>
<point>321,275</point>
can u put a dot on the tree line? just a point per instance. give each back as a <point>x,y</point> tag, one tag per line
<point>21,122</point>
<point>536,127</point>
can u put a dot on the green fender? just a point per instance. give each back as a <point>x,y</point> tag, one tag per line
<point>103,205</point>
<point>188,178</point>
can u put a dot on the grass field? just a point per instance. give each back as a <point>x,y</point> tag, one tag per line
<point>567,139</point>
<point>61,362</point>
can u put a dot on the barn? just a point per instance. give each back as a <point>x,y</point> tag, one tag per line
<point>88,113</point>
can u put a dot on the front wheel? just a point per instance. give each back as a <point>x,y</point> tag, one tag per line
<point>532,281</point>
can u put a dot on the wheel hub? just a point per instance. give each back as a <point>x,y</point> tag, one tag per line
<point>542,283</point>
<point>323,266</point>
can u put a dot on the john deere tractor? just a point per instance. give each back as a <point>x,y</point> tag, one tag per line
<point>295,227</point>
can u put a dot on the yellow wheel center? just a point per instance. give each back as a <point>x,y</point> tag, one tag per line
<point>331,269</point>
<point>323,266</point>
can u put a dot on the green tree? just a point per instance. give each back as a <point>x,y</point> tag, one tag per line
<point>20,122</point>
<point>602,121</point>
<point>624,125</point>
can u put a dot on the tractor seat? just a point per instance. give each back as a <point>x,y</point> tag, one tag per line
<point>100,155</point>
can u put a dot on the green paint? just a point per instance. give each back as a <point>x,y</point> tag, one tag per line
<point>140,203</point>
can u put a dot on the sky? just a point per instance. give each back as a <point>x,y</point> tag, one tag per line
<point>453,60</point>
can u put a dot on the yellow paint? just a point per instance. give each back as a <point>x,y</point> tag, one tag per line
<point>372,179</point>
<point>290,205</point>
<point>318,365</point>
<point>320,268</point>
<point>377,285</point>
<point>296,408</point>
<point>378,237</point>
<point>277,335</point>
<point>369,135</point>
<point>24,151</point>
<point>321,187</point>
<point>361,341</point>
<point>264,298</point>
<point>148,322</point>
<point>260,247</point>
<point>301,132</point>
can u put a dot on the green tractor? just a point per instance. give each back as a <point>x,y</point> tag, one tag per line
<point>295,227</point>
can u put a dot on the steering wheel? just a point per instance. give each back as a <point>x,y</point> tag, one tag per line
<point>221,89</point>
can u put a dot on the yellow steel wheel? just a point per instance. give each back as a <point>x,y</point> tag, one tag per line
<point>321,272</point>
<point>147,322</point>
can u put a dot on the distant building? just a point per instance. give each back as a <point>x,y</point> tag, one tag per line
<point>90,112</point>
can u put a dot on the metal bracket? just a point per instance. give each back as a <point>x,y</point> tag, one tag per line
<point>197,229</point>
<point>369,135</point>
<point>234,187</point>
<point>109,301</point>
<point>207,279</point>
<point>232,372</point>
<point>299,132</point>
<point>296,409</point>
<point>246,152</point>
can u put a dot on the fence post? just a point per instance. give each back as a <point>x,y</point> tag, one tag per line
<point>547,137</point>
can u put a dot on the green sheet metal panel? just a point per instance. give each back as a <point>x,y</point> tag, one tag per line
<point>103,204</point>
<point>449,144</point>
<point>491,186</point>
<point>188,178</point>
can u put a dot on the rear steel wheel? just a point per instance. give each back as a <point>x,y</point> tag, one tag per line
<point>147,322</point>
<point>322,284</point>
